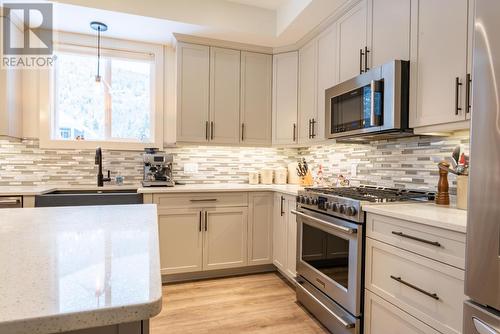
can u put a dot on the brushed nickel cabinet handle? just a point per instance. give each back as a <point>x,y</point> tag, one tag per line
<point>294,131</point>
<point>206,130</point>
<point>242,131</point>
<point>361,54</point>
<point>212,130</point>
<point>204,200</point>
<point>414,287</point>
<point>401,234</point>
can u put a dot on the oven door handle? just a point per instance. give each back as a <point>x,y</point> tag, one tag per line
<point>333,314</point>
<point>336,227</point>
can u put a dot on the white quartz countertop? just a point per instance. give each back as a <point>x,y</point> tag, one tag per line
<point>447,217</point>
<point>24,190</point>
<point>69,268</point>
<point>290,189</point>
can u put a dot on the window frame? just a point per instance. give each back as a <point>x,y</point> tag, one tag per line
<point>115,48</point>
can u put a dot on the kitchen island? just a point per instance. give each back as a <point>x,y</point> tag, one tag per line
<point>82,270</point>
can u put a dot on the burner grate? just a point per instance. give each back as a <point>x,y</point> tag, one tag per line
<point>374,194</point>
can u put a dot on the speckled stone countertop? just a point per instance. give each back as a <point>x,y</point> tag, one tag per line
<point>70,268</point>
<point>446,217</point>
<point>290,189</point>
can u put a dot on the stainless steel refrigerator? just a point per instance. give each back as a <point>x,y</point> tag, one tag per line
<point>482,271</point>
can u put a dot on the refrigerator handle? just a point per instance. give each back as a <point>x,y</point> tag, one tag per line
<point>483,328</point>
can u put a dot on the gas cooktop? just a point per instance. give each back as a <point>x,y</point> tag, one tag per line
<point>374,194</point>
<point>346,202</point>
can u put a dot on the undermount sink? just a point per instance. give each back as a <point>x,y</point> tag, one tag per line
<point>88,197</point>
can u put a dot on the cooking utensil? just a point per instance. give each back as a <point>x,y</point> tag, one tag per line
<point>456,154</point>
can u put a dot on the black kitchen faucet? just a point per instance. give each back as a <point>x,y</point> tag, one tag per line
<point>98,161</point>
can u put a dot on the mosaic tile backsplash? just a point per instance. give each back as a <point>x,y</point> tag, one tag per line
<point>407,162</point>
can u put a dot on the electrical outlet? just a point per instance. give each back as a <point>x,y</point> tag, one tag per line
<point>191,168</point>
<point>354,170</point>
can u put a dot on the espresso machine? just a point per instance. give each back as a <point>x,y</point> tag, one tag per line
<point>157,168</point>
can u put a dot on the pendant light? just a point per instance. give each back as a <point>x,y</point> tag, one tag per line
<point>99,27</point>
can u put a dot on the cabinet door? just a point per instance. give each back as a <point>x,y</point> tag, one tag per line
<point>439,56</point>
<point>307,90</point>
<point>10,94</point>
<point>327,55</point>
<point>260,228</point>
<point>224,95</point>
<point>193,67</point>
<point>256,98</point>
<point>225,238</point>
<point>351,32</point>
<point>285,76</point>
<point>383,317</point>
<point>180,235</point>
<point>389,31</point>
<point>279,232</point>
<point>291,247</point>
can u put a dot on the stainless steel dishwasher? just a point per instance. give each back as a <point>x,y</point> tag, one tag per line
<point>10,202</point>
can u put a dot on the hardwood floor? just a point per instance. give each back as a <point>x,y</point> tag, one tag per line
<point>262,303</point>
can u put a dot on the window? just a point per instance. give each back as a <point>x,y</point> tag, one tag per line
<point>119,109</point>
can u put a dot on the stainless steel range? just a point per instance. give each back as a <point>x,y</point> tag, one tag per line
<point>330,235</point>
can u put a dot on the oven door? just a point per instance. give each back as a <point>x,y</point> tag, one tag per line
<point>329,256</point>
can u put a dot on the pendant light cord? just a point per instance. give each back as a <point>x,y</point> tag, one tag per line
<point>98,51</point>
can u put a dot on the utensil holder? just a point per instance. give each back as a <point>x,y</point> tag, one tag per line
<point>307,180</point>
<point>462,191</point>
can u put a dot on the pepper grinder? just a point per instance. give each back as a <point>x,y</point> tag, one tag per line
<point>443,196</point>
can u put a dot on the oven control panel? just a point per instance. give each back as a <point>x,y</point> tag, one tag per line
<point>332,205</point>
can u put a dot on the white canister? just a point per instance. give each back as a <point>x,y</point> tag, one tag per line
<point>253,177</point>
<point>266,176</point>
<point>280,175</point>
<point>293,178</point>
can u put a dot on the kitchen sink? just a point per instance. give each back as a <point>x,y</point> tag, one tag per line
<point>88,197</point>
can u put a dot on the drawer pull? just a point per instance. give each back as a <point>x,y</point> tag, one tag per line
<point>401,234</point>
<point>204,200</point>
<point>432,295</point>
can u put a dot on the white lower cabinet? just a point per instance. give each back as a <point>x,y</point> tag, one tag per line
<point>422,281</point>
<point>285,235</point>
<point>381,317</point>
<point>180,234</point>
<point>260,228</point>
<point>225,238</point>
<point>213,231</point>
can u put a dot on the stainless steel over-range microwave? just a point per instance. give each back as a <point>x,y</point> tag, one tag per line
<point>372,104</point>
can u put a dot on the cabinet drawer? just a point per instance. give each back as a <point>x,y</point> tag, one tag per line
<point>200,200</point>
<point>426,289</point>
<point>438,244</point>
<point>381,317</point>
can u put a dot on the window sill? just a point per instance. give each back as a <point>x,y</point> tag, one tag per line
<point>90,144</point>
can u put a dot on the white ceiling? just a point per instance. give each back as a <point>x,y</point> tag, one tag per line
<point>270,23</point>
<point>268,4</point>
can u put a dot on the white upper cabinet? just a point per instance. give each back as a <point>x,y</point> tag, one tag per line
<point>193,73</point>
<point>285,90</point>
<point>224,95</point>
<point>326,76</point>
<point>256,98</point>
<point>439,61</point>
<point>308,72</point>
<point>10,96</point>
<point>388,31</point>
<point>351,42</point>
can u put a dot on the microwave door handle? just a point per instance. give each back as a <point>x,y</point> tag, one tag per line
<point>375,86</point>
<point>373,122</point>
